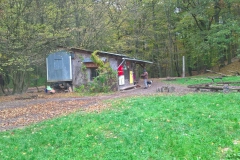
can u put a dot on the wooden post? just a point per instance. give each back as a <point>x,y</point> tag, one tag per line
<point>183,74</point>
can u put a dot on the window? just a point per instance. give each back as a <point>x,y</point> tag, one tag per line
<point>94,73</point>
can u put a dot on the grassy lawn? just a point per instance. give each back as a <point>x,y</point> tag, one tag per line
<point>202,80</point>
<point>195,126</point>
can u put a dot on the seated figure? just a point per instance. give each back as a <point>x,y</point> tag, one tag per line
<point>50,90</point>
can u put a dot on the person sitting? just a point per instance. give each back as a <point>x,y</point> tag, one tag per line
<point>50,90</point>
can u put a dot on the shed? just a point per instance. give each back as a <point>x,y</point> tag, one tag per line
<point>75,67</point>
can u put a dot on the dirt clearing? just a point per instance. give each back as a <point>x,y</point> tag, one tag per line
<point>20,110</point>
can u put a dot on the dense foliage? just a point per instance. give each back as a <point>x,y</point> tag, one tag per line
<point>107,79</point>
<point>206,32</point>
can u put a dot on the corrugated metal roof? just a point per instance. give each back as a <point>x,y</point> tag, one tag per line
<point>101,52</point>
<point>136,60</point>
<point>114,54</point>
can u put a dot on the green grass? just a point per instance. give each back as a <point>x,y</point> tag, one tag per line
<point>197,126</point>
<point>202,80</point>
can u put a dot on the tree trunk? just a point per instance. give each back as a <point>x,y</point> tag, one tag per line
<point>20,82</point>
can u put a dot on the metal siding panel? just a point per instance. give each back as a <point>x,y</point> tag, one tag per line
<point>70,61</point>
<point>47,68</point>
<point>59,67</point>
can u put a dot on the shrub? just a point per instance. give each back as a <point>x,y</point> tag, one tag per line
<point>106,80</point>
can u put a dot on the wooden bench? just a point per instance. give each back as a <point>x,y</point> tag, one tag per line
<point>228,83</point>
<point>225,88</point>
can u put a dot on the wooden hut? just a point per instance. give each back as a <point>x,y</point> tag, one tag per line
<point>74,67</point>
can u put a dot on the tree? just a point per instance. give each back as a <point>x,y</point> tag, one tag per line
<point>23,39</point>
<point>197,33</point>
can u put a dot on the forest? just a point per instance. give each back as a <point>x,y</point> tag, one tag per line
<point>205,32</point>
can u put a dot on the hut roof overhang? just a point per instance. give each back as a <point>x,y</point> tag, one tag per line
<point>99,52</point>
<point>122,56</point>
<point>136,60</point>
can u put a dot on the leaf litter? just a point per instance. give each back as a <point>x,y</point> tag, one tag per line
<point>19,110</point>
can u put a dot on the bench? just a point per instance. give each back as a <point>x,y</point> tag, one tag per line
<point>225,88</point>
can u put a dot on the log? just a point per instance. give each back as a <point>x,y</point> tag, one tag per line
<point>128,87</point>
<point>235,72</point>
<point>199,85</point>
<point>170,79</point>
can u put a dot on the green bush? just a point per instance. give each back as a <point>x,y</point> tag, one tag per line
<point>105,82</point>
<point>80,89</point>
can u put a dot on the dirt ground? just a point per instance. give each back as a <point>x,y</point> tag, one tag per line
<point>22,110</point>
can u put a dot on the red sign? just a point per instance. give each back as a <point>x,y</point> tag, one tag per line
<point>120,71</point>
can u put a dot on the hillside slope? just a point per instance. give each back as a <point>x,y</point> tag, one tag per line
<point>229,69</point>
